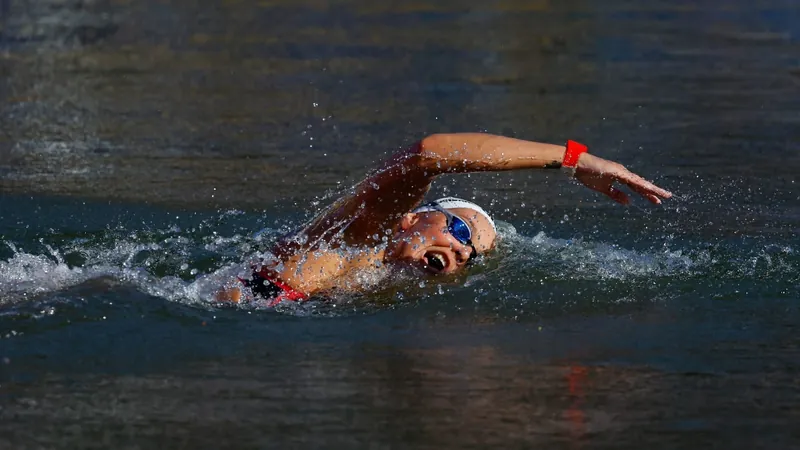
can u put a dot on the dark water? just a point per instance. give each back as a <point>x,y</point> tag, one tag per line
<point>150,149</point>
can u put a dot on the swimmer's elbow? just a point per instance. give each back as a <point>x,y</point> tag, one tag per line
<point>448,152</point>
<point>425,155</point>
<point>430,156</point>
<point>430,146</point>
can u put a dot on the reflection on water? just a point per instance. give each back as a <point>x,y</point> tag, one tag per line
<point>594,325</point>
<point>108,330</point>
<point>417,390</point>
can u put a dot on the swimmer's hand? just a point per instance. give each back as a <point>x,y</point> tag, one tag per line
<point>600,175</point>
<point>229,295</point>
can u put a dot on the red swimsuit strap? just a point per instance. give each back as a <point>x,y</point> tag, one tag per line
<point>288,293</point>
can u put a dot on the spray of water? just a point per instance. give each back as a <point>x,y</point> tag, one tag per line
<point>189,266</point>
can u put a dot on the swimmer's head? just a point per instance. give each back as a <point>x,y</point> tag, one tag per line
<point>443,236</point>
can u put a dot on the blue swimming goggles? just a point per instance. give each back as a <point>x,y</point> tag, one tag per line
<point>457,227</point>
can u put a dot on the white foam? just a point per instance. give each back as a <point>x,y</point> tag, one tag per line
<point>26,274</point>
<point>583,259</point>
<point>130,259</point>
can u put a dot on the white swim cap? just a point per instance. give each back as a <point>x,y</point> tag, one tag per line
<point>453,202</point>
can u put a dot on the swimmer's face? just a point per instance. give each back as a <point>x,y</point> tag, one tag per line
<point>424,240</point>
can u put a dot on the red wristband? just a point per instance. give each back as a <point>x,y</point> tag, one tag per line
<point>573,153</point>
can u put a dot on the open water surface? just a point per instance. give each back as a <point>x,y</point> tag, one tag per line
<point>151,149</point>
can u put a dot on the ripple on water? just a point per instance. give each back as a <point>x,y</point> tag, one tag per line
<point>188,265</point>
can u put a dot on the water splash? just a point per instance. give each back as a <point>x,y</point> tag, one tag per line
<point>581,259</point>
<point>188,265</point>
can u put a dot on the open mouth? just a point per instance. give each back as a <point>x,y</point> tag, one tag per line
<point>434,261</point>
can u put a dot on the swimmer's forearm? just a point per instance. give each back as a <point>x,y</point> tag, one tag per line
<point>473,152</point>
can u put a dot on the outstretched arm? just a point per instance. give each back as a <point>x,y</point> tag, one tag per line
<point>477,152</point>
<point>471,152</point>
<point>371,209</point>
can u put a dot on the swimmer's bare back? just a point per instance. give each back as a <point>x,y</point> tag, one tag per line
<point>376,213</point>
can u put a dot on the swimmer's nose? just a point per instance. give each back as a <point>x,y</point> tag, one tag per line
<point>463,252</point>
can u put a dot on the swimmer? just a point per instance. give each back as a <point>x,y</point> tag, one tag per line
<point>384,217</point>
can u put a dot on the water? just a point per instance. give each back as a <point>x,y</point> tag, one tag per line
<point>150,150</point>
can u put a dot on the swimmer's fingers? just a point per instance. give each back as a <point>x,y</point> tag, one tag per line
<point>603,184</point>
<point>643,187</point>
<point>600,174</point>
<point>618,196</point>
<point>590,166</point>
<point>621,197</point>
